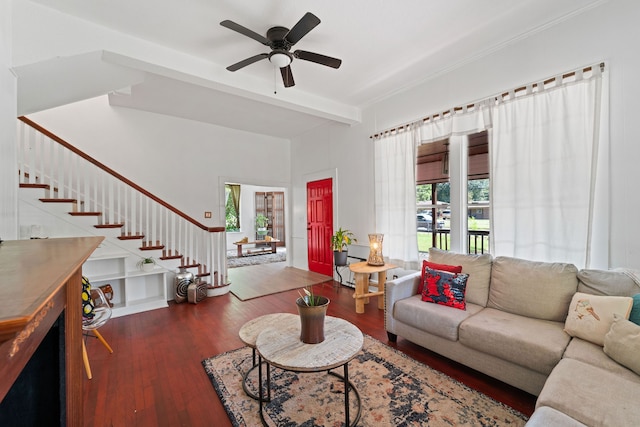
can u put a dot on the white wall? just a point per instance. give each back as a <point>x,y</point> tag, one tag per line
<point>8,163</point>
<point>184,162</point>
<point>609,32</point>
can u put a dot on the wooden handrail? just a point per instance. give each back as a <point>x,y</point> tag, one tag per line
<point>115,174</point>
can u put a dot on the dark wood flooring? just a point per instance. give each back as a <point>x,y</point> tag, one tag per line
<point>155,376</point>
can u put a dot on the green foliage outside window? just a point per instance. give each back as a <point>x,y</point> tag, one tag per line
<point>231,215</point>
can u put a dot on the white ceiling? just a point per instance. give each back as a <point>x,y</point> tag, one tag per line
<point>385,47</point>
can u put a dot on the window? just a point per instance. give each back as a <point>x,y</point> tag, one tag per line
<point>232,207</point>
<point>434,187</point>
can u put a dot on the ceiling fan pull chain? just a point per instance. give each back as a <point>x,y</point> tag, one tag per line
<point>275,81</point>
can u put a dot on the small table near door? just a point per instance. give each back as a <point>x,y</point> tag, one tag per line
<point>362,270</point>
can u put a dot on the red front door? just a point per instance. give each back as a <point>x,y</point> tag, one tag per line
<point>320,226</point>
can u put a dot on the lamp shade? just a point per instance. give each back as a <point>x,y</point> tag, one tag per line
<point>280,59</point>
<point>375,249</point>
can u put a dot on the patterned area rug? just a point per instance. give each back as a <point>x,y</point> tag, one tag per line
<point>233,261</point>
<point>395,391</point>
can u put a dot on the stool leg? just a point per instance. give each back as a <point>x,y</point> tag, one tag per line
<point>85,359</point>
<point>102,340</point>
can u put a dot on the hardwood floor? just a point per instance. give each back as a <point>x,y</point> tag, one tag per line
<point>155,376</point>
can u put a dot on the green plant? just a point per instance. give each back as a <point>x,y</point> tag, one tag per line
<point>261,221</point>
<point>341,239</point>
<point>310,299</point>
<point>147,260</point>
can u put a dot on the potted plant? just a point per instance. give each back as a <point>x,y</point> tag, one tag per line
<point>261,224</point>
<point>146,264</point>
<point>312,310</point>
<point>340,242</point>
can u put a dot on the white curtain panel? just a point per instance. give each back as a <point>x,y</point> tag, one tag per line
<point>549,174</point>
<point>395,195</point>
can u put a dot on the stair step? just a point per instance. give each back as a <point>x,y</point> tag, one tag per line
<point>203,274</point>
<point>85,213</point>
<point>167,257</point>
<point>109,225</point>
<point>58,200</point>
<point>131,237</point>
<point>190,266</point>
<point>151,248</point>
<point>43,186</point>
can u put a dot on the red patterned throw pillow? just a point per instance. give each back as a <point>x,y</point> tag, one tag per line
<point>434,266</point>
<point>445,288</point>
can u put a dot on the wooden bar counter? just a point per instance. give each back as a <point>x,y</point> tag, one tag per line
<point>40,340</point>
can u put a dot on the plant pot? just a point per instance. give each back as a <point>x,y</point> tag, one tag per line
<point>148,266</point>
<point>340,258</point>
<point>312,320</point>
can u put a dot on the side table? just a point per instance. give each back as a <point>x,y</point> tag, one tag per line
<point>362,270</point>
<point>249,334</point>
<point>280,346</point>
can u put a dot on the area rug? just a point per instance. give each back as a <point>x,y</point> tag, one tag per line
<point>233,261</point>
<point>259,280</point>
<point>395,390</point>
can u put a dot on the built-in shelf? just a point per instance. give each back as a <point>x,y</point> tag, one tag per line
<point>134,291</point>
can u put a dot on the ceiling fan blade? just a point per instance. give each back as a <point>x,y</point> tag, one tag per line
<point>287,76</point>
<point>248,61</point>
<point>245,31</point>
<point>317,58</point>
<point>307,23</point>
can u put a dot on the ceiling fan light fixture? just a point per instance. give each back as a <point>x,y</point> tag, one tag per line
<point>280,59</point>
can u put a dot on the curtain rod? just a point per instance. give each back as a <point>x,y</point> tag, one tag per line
<point>468,106</point>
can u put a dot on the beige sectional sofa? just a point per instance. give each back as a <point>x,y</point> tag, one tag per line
<point>513,329</point>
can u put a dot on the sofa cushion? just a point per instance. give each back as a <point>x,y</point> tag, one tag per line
<point>591,395</point>
<point>549,417</point>
<point>622,343</point>
<point>444,288</point>
<point>590,316</point>
<point>432,318</point>
<point>478,267</point>
<point>532,343</point>
<point>541,290</point>
<point>607,282</point>
<point>593,354</point>
<point>434,266</point>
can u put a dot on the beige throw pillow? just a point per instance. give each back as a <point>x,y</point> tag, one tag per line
<point>622,343</point>
<point>590,316</point>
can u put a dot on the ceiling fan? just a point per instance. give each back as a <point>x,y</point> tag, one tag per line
<point>280,40</point>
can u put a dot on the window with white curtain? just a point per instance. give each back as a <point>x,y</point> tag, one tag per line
<point>547,154</point>
<point>434,189</point>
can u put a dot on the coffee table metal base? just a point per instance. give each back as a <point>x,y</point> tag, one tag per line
<point>348,385</point>
<point>250,393</point>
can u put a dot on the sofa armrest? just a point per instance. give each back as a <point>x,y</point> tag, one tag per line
<point>395,290</point>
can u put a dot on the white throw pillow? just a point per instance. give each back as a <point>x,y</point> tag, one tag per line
<point>622,343</point>
<point>590,316</point>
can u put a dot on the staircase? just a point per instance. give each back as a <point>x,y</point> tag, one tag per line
<point>76,195</point>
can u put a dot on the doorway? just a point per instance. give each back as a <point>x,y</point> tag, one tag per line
<point>253,200</point>
<point>320,226</point>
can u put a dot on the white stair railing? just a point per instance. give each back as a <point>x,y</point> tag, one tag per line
<point>43,158</point>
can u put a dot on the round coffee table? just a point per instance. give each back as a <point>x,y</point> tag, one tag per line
<point>249,333</point>
<point>279,345</point>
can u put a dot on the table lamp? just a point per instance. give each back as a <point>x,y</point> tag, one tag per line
<point>375,249</point>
